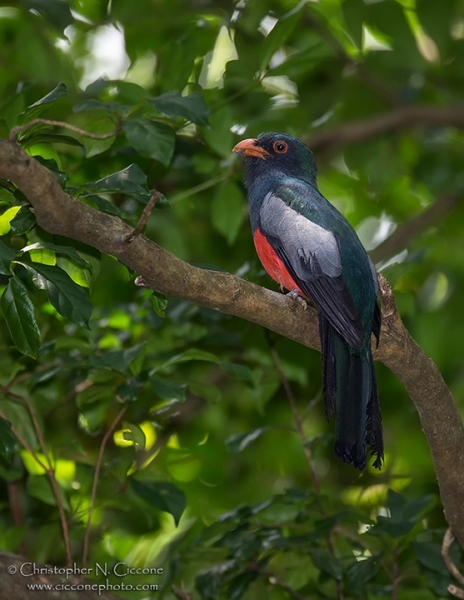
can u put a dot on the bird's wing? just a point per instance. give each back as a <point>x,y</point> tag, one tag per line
<point>311,254</point>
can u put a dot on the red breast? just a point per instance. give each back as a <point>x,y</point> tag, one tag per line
<point>272,263</point>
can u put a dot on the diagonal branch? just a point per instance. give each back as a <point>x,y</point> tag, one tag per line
<point>330,140</point>
<point>414,227</point>
<point>59,213</point>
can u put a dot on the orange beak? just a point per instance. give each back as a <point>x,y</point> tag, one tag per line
<point>249,148</point>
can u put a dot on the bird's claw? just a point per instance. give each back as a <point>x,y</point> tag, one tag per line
<point>295,295</point>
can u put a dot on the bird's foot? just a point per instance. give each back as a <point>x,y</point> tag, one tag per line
<point>295,295</point>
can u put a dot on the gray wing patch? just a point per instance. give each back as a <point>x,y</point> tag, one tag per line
<point>316,247</point>
<point>312,256</point>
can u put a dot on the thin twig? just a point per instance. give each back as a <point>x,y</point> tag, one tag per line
<point>455,591</point>
<point>16,513</point>
<point>155,196</point>
<point>201,187</point>
<point>297,417</point>
<point>306,449</point>
<point>396,577</point>
<point>95,136</point>
<point>95,481</point>
<point>23,443</point>
<point>48,468</point>
<point>330,547</point>
<point>448,540</point>
<point>54,483</point>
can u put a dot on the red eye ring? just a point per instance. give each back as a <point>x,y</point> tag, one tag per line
<point>280,147</point>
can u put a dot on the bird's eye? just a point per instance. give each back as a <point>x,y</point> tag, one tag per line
<point>280,147</point>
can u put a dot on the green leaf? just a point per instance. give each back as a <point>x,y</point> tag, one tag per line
<point>437,23</point>
<point>159,303</point>
<point>129,391</point>
<point>302,62</point>
<point>52,166</point>
<point>118,360</point>
<point>168,390</point>
<point>18,311</point>
<point>192,107</point>
<point>52,138</point>
<point>4,129</point>
<point>39,486</point>
<point>33,110</point>
<point>238,586</point>
<point>429,555</point>
<point>404,514</point>
<point>23,221</point>
<point>59,92</point>
<point>191,354</point>
<point>208,582</point>
<point>134,433</point>
<point>6,218</point>
<point>131,181</point>
<point>327,562</point>
<point>67,250</point>
<point>176,61</point>
<point>101,122</point>
<point>104,205</point>
<point>278,36</point>
<point>7,254</point>
<point>56,12</point>
<point>240,372</point>
<point>151,139</point>
<point>210,393</point>
<point>354,12</point>
<point>227,210</point>
<point>44,375</point>
<point>360,572</point>
<point>162,496</point>
<point>69,299</point>
<point>8,441</point>
<point>219,137</point>
<point>237,443</point>
<point>389,18</point>
<point>99,105</point>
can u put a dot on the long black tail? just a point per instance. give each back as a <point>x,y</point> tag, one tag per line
<point>350,393</point>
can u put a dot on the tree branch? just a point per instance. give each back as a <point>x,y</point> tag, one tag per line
<point>448,540</point>
<point>414,227</point>
<point>96,478</point>
<point>95,136</point>
<point>297,418</point>
<point>60,214</point>
<point>330,140</point>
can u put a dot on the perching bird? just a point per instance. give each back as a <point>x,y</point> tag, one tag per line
<point>310,249</point>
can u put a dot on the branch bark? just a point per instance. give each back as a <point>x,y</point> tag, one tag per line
<point>60,214</point>
<point>330,140</point>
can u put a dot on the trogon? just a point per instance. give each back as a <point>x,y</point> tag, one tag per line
<point>308,247</point>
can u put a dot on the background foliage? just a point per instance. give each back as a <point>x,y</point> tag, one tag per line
<point>204,474</point>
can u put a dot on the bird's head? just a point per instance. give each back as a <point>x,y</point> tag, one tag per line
<point>278,152</point>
